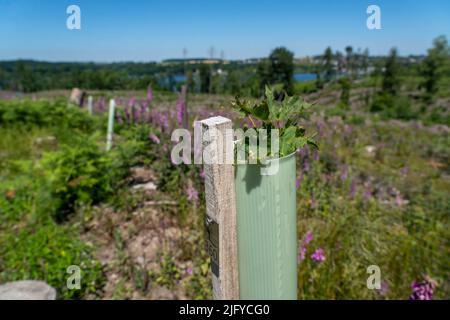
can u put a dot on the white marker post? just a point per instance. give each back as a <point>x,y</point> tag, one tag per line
<point>112,105</point>
<point>90,100</point>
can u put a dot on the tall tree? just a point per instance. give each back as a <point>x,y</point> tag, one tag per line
<point>391,81</point>
<point>277,69</point>
<point>365,60</point>
<point>345,91</point>
<point>434,66</point>
<point>328,64</point>
<point>349,59</point>
<point>205,78</point>
<point>281,68</point>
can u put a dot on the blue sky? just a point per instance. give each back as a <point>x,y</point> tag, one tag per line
<point>134,30</point>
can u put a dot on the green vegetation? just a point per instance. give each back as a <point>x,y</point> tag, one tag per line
<point>376,193</point>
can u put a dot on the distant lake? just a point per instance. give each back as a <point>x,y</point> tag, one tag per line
<point>179,78</point>
<point>305,76</point>
<point>297,77</point>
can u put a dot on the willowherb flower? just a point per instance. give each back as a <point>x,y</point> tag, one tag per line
<point>304,246</point>
<point>301,253</point>
<point>135,112</point>
<point>320,128</point>
<point>384,290</point>
<point>352,190</point>
<point>149,94</point>
<point>101,104</point>
<point>192,194</point>
<point>306,166</point>
<point>154,138</point>
<point>347,129</point>
<point>316,155</point>
<point>202,174</point>
<point>399,201</point>
<point>303,152</point>
<point>189,271</point>
<point>344,172</point>
<point>423,290</point>
<point>308,237</point>
<point>404,171</point>
<point>119,117</point>
<point>367,192</point>
<point>318,255</point>
<point>181,109</point>
<point>127,114</point>
<point>132,102</point>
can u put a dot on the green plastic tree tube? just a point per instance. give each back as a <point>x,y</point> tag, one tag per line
<point>267,231</point>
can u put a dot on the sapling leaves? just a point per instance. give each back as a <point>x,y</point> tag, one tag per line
<point>284,115</point>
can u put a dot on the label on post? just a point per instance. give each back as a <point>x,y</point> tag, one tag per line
<point>212,244</point>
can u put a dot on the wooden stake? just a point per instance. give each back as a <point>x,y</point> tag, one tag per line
<point>221,208</point>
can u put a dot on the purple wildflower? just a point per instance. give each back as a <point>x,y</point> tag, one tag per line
<point>192,194</point>
<point>302,253</point>
<point>320,126</point>
<point>181,110</point>
<point>348,129</point>
<point>308,237</point>
<point>399,201</point>
<point>318,255</point>
<point>132,102</point>
<point>404,171</point>
<point>352,191</point>
<point>101,104</point>
<point>344,172</point>
<point>384,290</point>
<point>135,112</point>
<point>306,166</point>
<point>316,155</point>
<point>202,174</point>
<point>149,94</point>
<point>423,290</point>
<point>304,246</point>
<point>189,271</point>
<point>154,138</point>
<point>367,192</point>
<point>119,117</point>
<point>127,114</point>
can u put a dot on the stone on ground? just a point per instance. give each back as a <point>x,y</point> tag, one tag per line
<point>27,290</point>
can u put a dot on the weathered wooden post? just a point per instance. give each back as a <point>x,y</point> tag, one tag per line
<point>90,101</point>
<point>220,206</point>
<point>109,135</point>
